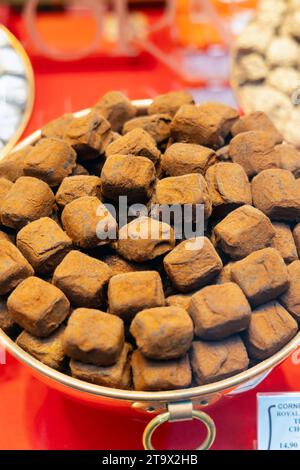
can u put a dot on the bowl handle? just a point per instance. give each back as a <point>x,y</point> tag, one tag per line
<point>180,411</point>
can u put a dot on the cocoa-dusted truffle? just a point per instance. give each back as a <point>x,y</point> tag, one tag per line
<point>170,102</point>
<point>284,242</point>
<point>257,121</point>
<point>88,135</point>
<point>94,337</point>
<point>7,322</point>
<point>254,151</point>
<point>244,230</point>
<point>271,328</point>
<point>182,159</point>
<point>116,376</point>
<point>27,200</point>
<point>88,223</point>
<point>179,300</point>
<point>219,311</point>
<point>83,279</point>
<point>12,165</point>
<point>137,142</point>
<point>154,376</point>
<point>125,176</point>
<point>47,350</point>
<point>288,158</point>
<point>116,108</point>
<point>276,193</point>
<point>192,264</point>
<point>144,239</point>
<point>56,128</point>
<point>207,124</point>
<point>291,297</point>
<point>130,293</point>
<point>186,189</point>
<point>5,186</point>
<point>14,268</point>
<point>74,187</point>
<point>157,125</point>
<point>163,333</point>
<point>228,185</point>
<point>218,360</point>
<point>262,275</point>
<point>38,307</point>
<point>44,244</point>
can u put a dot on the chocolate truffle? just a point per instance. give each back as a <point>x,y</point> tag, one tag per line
<point>218,360</point>
<point>14,268</point>
<point>74,187</point>
<point>157,125</point>
<point>170,102</point>
<point>47,350</point>
<point>271,328</point>
<point>291,297</point>
<point>116,376</point>
<point>44,244</point>
<point>163,333</point>
<point>136,142</point>
<point>116,108</point>
<point>192,264</point>
<point>88,223</point>
<point>5,186</point>
<point>182,159</point>
<point>130,293</point>
<point>56,128</point>
<point>219,311</point>
<point>94,337</point>
<point>288,158</point>
<point>256,121</point>
<point>83,279</point>
<point>276,193</point>
<point>244,230</point>
<point>154,376</point>
<point>7,322</point>
<point>262,275</point>
<point>125,176</point>
<point>27,200</point>
<point>207,124</point>
<point>38,307</point>
<point>284,242</point>
<point>12,165</point>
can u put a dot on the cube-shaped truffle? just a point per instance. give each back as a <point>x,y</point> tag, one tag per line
<point>170,102</point>
<point>256,121</point>
<point>12,165</point>
<point>145,239</point>
<point>5,186</point>
<point>131,177</point>
<point>154,376</point>
<point>228,186</point>
<point>192,264</point>
<point>136,142</point>
<point>29,199</point>
<point>56,128</point>
<point>284,242</point>
<point>83,279</point>
<point>262,275</point>
<point>254,151</point>
<point>74,187</point>
<point>183,159</point>
<point>276,193</point>
<point>181,190</point>
<point>271,327</point>
<point>88,223</point>
<point>218,360</point>
<point>288,158</point>
<point>179,300</point>
<point>163,333</point>
<point>244,230</point>
<point>157,125</point>
<point>116,376</point>
<point>14,268</point>
<point>207,124</point>
<point>47,350</point>
<point>44,244</point>
<point>291,297</point>
<point>7,322</point>
<point>116,108</point>
<point>219,311</point>
<point>130,293</point>
<point>88,135</point>
<point>38,307</point>
<point>94,337</point>
<point>50,160</point>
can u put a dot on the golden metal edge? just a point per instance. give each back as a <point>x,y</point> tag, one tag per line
<point>135,396</point>
<point>31,85</point>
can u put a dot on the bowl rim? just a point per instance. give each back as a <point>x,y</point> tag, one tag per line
<point>132,395</point>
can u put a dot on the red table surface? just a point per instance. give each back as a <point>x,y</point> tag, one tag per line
<point>32,416</point>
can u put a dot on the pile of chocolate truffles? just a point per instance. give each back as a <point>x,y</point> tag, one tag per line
<point>150,313</point>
